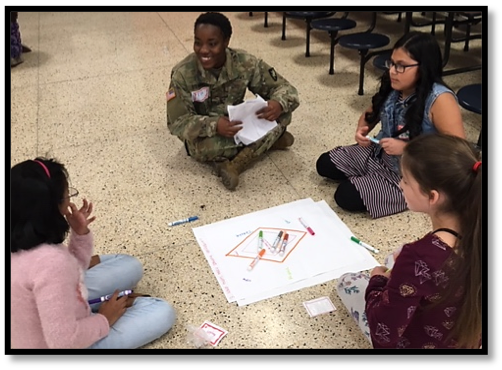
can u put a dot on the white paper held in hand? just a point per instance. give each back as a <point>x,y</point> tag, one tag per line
<point>253,128</point>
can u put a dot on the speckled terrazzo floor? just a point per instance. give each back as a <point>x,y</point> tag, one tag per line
<point>92,94</point>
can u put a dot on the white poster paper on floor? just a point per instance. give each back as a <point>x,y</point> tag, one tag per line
<point>231,245</point>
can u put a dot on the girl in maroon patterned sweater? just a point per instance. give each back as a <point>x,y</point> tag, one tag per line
<point>431,296</point>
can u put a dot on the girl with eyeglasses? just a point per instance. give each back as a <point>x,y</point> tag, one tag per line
<point>412,100</point>
<point>51,283</point>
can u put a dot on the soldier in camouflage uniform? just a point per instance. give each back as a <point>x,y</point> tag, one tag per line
<point>214,76</point>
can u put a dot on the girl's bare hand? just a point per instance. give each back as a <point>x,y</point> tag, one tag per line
<point>79,219</point>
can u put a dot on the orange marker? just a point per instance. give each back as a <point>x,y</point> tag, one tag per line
<point>284,243</point>
<point>257,258</point>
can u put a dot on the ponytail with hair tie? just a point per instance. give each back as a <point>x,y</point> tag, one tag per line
<point>476,166</point>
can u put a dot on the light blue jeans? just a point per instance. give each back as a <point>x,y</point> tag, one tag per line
<point>351,288</point>
<point>146,320</point>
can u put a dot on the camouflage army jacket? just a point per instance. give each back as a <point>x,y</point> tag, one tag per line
<point>196,98</point>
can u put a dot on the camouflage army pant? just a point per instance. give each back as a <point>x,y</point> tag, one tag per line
<point>219,148</point>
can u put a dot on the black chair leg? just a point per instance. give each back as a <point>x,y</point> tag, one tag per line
<point>332,53</point>
<point>361,71</point>
<point>433,27</point>
<point>283,27</point>
<point>467,36</point>
<point>307,50</point>
<point>250,14</point>
<point>266,20</point>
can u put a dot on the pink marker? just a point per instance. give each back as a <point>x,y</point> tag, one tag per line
<point>309,229</point>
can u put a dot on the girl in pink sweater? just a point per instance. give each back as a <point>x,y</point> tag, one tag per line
<point>51,283</point>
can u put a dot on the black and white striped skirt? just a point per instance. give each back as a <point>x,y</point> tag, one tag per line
<point>372,176</point>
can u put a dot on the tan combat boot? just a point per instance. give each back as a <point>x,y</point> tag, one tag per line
<point>229,171</point>
<point>285,141</point>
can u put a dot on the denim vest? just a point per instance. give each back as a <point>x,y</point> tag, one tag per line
<point>392,118</point>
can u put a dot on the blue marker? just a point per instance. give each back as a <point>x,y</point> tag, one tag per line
<point>184,221</point>
<point>372,139</point>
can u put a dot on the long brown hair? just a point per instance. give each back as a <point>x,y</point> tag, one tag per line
<point>447,164</point>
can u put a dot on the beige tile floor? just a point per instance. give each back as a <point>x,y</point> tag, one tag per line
<point>92,94</point>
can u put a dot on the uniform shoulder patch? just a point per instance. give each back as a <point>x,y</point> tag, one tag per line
<point>273,74</point>
<point>170,94</point>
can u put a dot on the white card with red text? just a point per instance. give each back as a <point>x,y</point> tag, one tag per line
<point>213,332</point>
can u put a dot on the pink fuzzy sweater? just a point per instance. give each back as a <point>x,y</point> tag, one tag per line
<point>49,306</point>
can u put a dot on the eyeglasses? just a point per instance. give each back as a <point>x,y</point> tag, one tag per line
<point>72,192</point>
<point>400,68</point>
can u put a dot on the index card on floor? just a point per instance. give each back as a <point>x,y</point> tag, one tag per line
<point>319,306</point>
<point>213,332</point>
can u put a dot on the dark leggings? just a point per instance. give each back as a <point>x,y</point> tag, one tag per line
<point>346,195</point>
<point>15,41</point>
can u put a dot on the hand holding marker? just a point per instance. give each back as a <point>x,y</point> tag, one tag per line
<point>372,139</point>
<point>107,297</point>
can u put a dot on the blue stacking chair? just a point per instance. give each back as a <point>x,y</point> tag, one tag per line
<point>333,26</point>
<point>469,97</point>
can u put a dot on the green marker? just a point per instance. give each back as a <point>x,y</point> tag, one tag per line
<point>362,244</point>
<point>260,240</point>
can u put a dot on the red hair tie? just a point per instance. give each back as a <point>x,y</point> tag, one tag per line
<point>476,166</point>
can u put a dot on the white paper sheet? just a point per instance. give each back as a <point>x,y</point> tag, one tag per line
<point>231,245</point>
<point>253,128</point>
